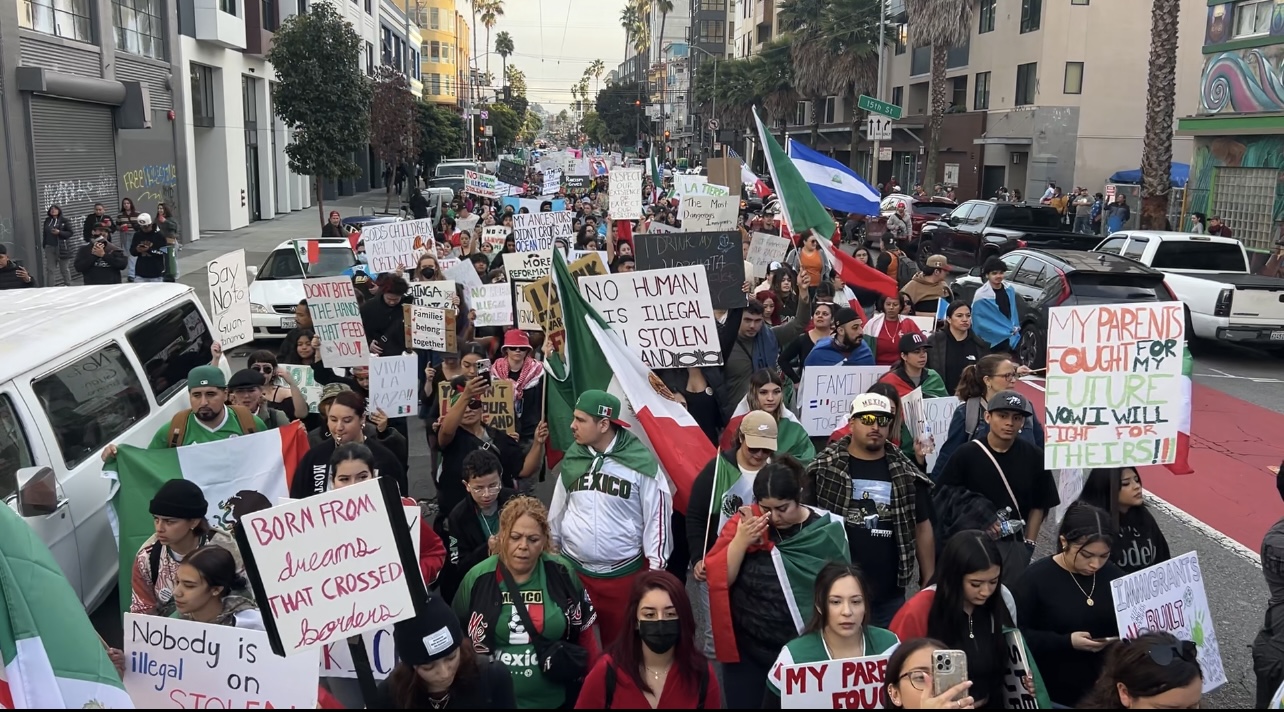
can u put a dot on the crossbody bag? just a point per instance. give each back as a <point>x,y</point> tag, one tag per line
<point>559,660</point>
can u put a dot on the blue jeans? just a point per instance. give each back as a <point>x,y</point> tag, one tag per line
<point>1083,224</point>
<point>148,279</point>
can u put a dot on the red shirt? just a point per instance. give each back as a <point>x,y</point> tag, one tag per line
<point>678,693</point>
<point>887,349</point>
<point>432,552</point>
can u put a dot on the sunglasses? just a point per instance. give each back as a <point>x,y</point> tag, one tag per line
<point>262,368</point>
<point>1165,655</point>
<point>870,419</point>
<point>474,404</point>
<point>761,451</point>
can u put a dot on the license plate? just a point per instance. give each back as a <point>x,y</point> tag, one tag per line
<point>287,323</point>
<point>1277,336</point>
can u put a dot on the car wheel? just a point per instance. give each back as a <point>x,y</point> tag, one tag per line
<point>1030,350</point>
<point>926,248</point>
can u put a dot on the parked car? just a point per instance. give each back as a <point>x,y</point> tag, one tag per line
<point>278,285</point>
<point>454,168</point>
<point>454,184</point>
<point>918,210</point>
<point>357,222</point>
<point>1060,278</point>
<point>1211,275</point>
<point>979,229</point>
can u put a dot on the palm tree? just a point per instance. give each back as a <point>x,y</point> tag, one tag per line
<point>504,47</point>
<point>629,21</point>
<point>1157,144</point>
<point>665,7</point>
<point>491,11</point>
<point>811,54</point>
<point>855,41</point>
<point>773,75</point>
<point>943,24</point>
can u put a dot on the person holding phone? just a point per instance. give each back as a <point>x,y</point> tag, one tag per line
<point>909,682</point>
<point>12,274</point>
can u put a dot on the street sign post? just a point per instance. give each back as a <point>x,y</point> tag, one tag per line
<point>878,128</point>
<point>874,106</point>
<point>485,115</point>
<point>713,124</point>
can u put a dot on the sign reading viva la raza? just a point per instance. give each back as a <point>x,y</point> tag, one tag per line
<point>396,245</point>
<point>230,300</point>
<point>394,381</point>
<point>336,319</point>
<point>663,315</point>
<point>171,663</point>
<point>847,684</point>
<point>1170,597</point>
<point>1114,393</point>
<point>827,393</point>
<point>535,232</point>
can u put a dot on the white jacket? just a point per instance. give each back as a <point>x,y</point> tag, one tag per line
<point>612,516</point>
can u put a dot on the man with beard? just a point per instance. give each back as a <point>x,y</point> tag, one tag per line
<point>846,347</point>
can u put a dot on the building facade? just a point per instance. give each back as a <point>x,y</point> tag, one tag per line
<point>441,50</point>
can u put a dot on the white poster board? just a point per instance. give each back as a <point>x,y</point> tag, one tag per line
<point>306,379</point>
<point>483,185</point>
<point>925,324</point>
<point>336,319</point>
<point>494,236</point>
<point>175,664</point>
<point>664,315</point>
<point>437,294</point>
<point>935,424</point>
<point>394,383</point>
<point>1170,597</point>
<point>827,393</point>
<point>708,213</point>
<point>536,232</point>
<point>552,181</point>
<point>525,268</point>
<point>849,683</point>
<point>493,304</point>
<point>684,185</point>
<point>428,331</point>
<point>765,249</point>
<point>394,245</point>
<point>626,194</point>
<point>230,300</point>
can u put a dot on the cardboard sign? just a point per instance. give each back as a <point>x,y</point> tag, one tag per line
<point>174,664</point>
<point>511,172</point>
<point>336,319</point>
<point>850,683</point>
<point>523,269</point>
<point>230,312</point>
<point>306,379</point>
<point>494,236</point>
<point>331,566</point>
<point>433,329</point>
<point>626,194</point>
<point>497,404</point>
<point>719,252</point>
<point>394,245</point>
<point>394,383</point>
<point>1170,597</point>
<point>725,171</point>
<point>546,305</point>
<point>578,184</point>
<point>664,316</point>
<point>827,393</point>
<point>765,249</point>
<point>1114,385</point>
<point>437,294</point>
<point>483,185</point>
<point>492,305</point>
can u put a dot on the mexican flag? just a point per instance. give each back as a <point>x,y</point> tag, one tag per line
<point>796,561</point>
<point>230,472</point>
<point>596,357</point>
<point>1181,464</point>
<point>731,489</point>
<point>53,658</point>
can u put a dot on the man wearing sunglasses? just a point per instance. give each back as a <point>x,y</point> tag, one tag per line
<point>884,500</point>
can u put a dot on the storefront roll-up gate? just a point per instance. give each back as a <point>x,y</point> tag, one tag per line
<point>74,152</point>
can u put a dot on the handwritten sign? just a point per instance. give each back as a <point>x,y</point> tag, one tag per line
<point>525,268</point>
<point>535,232</point>
<point>1170,597</point>
<point>396,244</point>
<point>659,228</point>
<point>684,184</point>
<point>1114,386</point>
<point>497,404</point>
<point>846,684</point>
<point>306,379</point>
<point>552,181</point>
<point>664,315</point>
<point>171,663</point>
<point>935,424</point>
<point>1017,667</point>
<point>230,300</point>
<point>394,381</point>
<point>511,172</point>
<point>827,393</point>
<point>765,249</point>
<point>481,184</point>
<point>433,329</point>
<point>331,566</point>
<point>494,237</point>
<point>704,213</point>
<point>546,305</point>
<point>626,194</point>
<point>332,303</point>
<point>719,252</point>
<point>492,305</point>
<point>580,183</point>
<point>438,294</point>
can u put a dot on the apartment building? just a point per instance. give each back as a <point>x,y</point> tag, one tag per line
<point>399,42</point>
<point>755,25</point>
<point>443,51</point>
<point>1237,122</point>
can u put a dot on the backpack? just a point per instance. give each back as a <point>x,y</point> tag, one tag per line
<point>902,268</point>
<point>971,416</point>
<point>610,687</point>
<point>178,424</point>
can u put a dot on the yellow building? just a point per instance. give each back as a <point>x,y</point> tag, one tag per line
<point>443,46</point>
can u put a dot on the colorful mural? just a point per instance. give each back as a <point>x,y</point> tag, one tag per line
<point>1243,81</point>
<point>1217,30</point>
<point>1232,152</point>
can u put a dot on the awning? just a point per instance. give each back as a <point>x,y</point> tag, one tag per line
<point>1180,173</point>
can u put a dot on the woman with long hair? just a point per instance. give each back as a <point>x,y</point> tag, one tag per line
<point>977,385</point>
<point>767,393</point>
<point>794,354</point>
<point>346,418</point>
<point>953,348</point>
<point>866,297</point>
<point>1152,671</point>
<point>655,662</point>
<point>210,589</point>
<point>839,628</point>
<point>773,311</point>
<point>884,330</point>
<point>1117,490</point>
<point>785,288</point>
<point>907,680</point>
<point>811,259</point>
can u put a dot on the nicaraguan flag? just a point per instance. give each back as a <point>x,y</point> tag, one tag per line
<point>837,186</point>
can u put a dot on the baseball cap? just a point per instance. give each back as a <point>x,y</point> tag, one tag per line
<point>870,403</point>
<point>143,219</point>
<point>846,315</point>
<point>332,390</point>
<point>759,430</point>
<point>913,342</point>
<point>937,262</point>
<point>600,404</point>
<point>1010,400</point>
<point>203,376</point>
<point>245,378</point>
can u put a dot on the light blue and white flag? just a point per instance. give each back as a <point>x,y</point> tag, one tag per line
<point>835,185</point>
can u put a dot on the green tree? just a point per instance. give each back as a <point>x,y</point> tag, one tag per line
<point>517,100</point>
<point>665,7</point>
<point>943,24</point>
<point>392,122</point>
<point>310,51</point>
<point>1157,142</point>
<point>503,47</point>
<point>622,108</point>
<point>530,128</point>
<point>593,127</point>
<point>441,134</point>
<point>491,11</point>
<point>596,69</point>
<point>507,124</point>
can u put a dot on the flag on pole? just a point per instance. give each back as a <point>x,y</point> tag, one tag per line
<point>858,274</point>
<point>596,357</point>
<point>748,177</point>
<point>802,210</point>
<point>835,185</point>
<point>1181,465</point>
<point>942,309</point>
<point>53,658</point>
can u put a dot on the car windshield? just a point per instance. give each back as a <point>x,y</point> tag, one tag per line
<point>1096,288</point>
<point>285,264</point>
<point>453,169</point>
<point>1019,216</point>
<point>1199,255</point>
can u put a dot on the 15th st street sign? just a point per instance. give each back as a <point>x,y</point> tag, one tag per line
<point>874,106</point>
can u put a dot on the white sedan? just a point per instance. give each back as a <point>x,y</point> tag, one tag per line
<point>278,285</point>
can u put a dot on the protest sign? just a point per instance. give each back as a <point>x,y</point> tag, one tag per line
<point>230,300</point>
<point>684,185</point>
<point>438,294</point>
<point>172,663</point>
<point>626,194</point>
<point>578,184</point>
<point>765,249</point>
<point>925,324</point>
<point>483,185</point>
<point>725,171</point>
<point>1114,393</point>
<point>545,304</point>
<point>552,181</point>
<point>464,272</point>
<point>719,252</point>
<point>396,244</point>
<point>523,269</point>
<point>331,566</point>
<point>1170,597</point>
<point>936,415</point>
<point>535,232</point>
<point>494,236</point>
<point>827,393</point>
<point>466,225</point>
<point>664,316</point>
<point>706,213</point>
<point>306,379</point>
<point>1016,668</point>
<point>394,381</point>
<point>497,404</point>
<point>532,205</point>
<point>511,172</point>
<point>1070,483</point>
<point>493,305</point>
<point>659,228</point>
<point>336,320</point>
<point>573,256</point>
<point>848,683</point>
<point>431,330</point>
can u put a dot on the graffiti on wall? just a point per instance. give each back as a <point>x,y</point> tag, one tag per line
<point>1243,81</point>
<point>80,190</point>
<point>148,183</point>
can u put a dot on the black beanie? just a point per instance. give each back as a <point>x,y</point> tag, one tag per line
<point>179,499</point>
<point>430,636</point>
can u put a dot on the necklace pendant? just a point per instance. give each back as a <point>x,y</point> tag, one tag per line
<point>1090,601</point>
<point>972,636</point>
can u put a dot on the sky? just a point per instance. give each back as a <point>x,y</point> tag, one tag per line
<point>554,42</point>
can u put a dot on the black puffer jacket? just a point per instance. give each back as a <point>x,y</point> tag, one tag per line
<point>101,270</point>
<point>62,240</point>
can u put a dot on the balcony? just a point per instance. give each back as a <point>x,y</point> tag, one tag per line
<point>262,18</point>
<point>218,23</point>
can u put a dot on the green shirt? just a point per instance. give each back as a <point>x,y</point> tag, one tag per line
<point>198,433</point>
<point>489,522</point>
<point>810,648</point>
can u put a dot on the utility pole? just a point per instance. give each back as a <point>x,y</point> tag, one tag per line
<point>878,92</point>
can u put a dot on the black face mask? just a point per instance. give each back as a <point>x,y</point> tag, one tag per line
<point>428,272</point>
<point>660,636</point>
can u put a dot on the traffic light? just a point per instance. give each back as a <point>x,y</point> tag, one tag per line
<point>666,135</point>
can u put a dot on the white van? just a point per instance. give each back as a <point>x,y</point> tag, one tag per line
<point>82,367</point>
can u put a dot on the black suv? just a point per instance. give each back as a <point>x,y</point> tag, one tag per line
<point>1043,279</point>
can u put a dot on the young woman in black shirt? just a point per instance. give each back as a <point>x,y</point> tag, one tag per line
<point>1118,490</point>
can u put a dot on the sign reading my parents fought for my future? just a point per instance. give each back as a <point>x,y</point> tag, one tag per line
<point>847,684</point>
<point>535,232</point>
<point>664,315</point>
<point>720,253</point>
<point>1115,394</point>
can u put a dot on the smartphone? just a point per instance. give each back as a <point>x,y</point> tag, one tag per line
<point>1111,639</point>
<point>483,368</point>
<point>949,668</point>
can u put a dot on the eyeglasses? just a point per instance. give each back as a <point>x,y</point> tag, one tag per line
<point>488,489</point>
<point>262,368</point>
<point>870,420</point>
<point>1006,376</point>
<point>920,679</point>
<point>1166,654</point>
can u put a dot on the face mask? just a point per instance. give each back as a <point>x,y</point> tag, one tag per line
<point>361,257</point>
<point>428,272</point>
<point>659,636</point>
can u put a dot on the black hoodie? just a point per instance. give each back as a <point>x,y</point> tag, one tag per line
<point>1140,543</point>
<point>101,270</point>
<point>149,246</point>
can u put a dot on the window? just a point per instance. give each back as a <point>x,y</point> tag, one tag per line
<point>987,11</point>
<point>370,64</point>
<point>228,6</point>
<point>1074,78</point>
<point>64,18</point>
<point>15,452</point>
<point>140,28</point>
<point>1211,256</point>
<point>434,18</point>
<point>1078,2</point>
<point>921,61</point>
<point>1245,200</point>
<point>202,79</point>
<point>802,111</point>
<point>1137,247</point>
<point>958,98</point>
<point>434,84</point>
<point>712,32</point>
<point>267,15</point>
<point>1031,14</point>
<point>714,5</point>
<point>981,92</point>
<point>831,110</point>
<point>172,344</point>
<point>368,10</point>
<point>434,51</point>
<point>898,96</point>
<point>93,400</point>
<point>1031,273</point>
<point>1252,18</point>
<point>901,38</point>
<point>1114,245</point>
<point>1027,83</point>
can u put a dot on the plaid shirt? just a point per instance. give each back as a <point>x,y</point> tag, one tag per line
<point>833,487</point>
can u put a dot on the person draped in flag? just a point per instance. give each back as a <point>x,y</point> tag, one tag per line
<point>762,572</point>
<point>767,394</point>
<point>612,507</point>
<point>994,309</point>
<point>847,347</point>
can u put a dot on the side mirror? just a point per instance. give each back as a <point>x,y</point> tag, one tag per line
<point>37,492</point>
<point>252,271</point>
<point>975,271</point>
